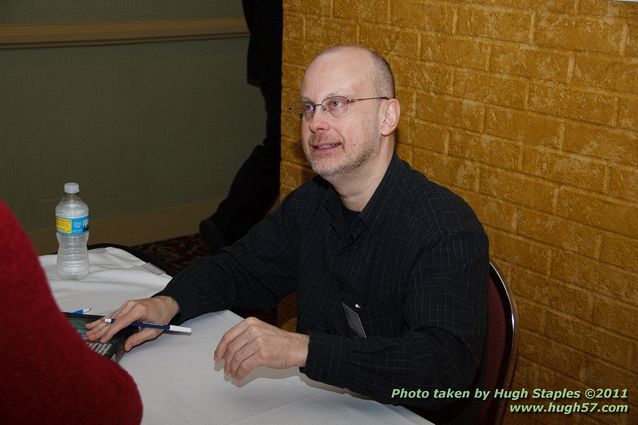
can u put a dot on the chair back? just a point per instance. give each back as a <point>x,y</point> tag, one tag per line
<point>501,344</point>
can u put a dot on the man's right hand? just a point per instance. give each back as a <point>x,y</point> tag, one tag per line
<point>159,309</point>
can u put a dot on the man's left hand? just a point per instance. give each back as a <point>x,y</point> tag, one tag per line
<point>253,343</point>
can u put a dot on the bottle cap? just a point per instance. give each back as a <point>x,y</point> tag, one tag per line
<point>71,187</point>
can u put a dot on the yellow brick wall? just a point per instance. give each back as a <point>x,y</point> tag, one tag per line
<point>529,110</point>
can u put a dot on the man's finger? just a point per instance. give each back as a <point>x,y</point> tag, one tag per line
<point>140,337</point>
<point>243,361</point>
<point>229,336</point>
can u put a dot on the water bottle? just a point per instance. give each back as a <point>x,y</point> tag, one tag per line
<point>72,231</point>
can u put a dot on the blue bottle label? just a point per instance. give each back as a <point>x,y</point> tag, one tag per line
<point>72,226</point>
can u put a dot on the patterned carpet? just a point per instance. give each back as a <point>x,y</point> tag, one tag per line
<point>173,255</point>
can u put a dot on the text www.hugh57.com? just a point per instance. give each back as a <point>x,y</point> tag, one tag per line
<point>569,408</point>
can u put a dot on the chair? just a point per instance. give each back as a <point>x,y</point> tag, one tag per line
<point>501,345</point>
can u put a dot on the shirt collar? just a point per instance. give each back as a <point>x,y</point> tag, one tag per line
<point>384,198</point>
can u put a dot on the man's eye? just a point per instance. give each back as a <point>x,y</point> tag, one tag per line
<point>336,103</point>
<point>307,107</point>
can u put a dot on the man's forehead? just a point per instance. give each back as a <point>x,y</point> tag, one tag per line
<point>337,73</point>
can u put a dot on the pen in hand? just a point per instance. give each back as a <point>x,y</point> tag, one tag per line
<point>172,328</point>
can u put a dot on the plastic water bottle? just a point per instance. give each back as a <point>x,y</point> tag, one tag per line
<point>72,231</point>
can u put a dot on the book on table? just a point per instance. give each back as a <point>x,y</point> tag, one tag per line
<point>114,349</point>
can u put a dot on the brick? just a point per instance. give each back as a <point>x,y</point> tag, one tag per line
<point>422,76</point>
<point>531,128</point>
<point>551,354</point>
<point>493,23</point>
<point>520,252</point>
<point>550,292</point>
<point>300,52</point>
<point>631,48</point>
<point>450,111</point>
<point>596,341</point>
<point>599,212</point>
<point>293,152</point>
<point>614,315</point>
<point>337,31</point>
<point>488,150</point>
<point>374,11</point>
<point>559,232</point>
<point>444,169</point>
<point>558,6</point>
<point>567,169</point>
<point>628,112</point>
<point>314,8</point>
<point>617,74</point>
<point>293,26</point>
<point>555,379</point>
<point>491,88</point>
<point>575,104</point>
<point>407,99</point>
<point>293,175</point>
<point>606,8</point>
<point>422,15</point>
<point>293,75</point>
<point>290,126</point>
<point>623,183</point>
<point>287,313</point>
<point>578,33</point>
<point>468,53</point>
<point>293,51</point>
<point>595,276</point>
<point>517,189</point>
<point>390,41</point>
<point>427,136</point>
<point>405,152</point>
<point>531,315</point>
<point>491,211</point>
<point>621,251</point>
<point>530,62</point>
<point>526,375</point>
<point>601,374</point>
<point>604,143</point>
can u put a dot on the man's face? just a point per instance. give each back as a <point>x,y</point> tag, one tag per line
<point>336,146</point>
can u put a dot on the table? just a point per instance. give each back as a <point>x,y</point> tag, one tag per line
<point>177,377</point>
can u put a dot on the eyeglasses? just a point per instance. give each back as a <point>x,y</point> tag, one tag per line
<point>335,105</point>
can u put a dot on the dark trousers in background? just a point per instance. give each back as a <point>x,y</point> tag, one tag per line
<point>255,187</point>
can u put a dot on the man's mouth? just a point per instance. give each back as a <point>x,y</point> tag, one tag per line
<point>326,146</point>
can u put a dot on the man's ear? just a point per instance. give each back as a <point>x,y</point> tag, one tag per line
<point>390,118</point>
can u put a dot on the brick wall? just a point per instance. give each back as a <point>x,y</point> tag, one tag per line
<point>529,110</point>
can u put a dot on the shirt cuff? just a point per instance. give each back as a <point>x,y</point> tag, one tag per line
<point>326,359</point>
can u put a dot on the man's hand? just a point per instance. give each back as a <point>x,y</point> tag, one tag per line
<point>159,309</point>
<point>253,343</point>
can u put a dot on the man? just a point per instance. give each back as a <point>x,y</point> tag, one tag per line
<point>390,269</point>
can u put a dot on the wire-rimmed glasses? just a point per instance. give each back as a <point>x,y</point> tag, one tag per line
<point>335,105</point>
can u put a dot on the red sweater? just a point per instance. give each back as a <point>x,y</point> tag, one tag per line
<point>48,374</point>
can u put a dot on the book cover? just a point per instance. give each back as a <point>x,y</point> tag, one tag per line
<point>114,349</point>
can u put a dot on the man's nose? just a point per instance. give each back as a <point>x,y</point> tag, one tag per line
<point>319,120</point>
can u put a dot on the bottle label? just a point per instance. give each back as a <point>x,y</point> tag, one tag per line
<point>72,226</point>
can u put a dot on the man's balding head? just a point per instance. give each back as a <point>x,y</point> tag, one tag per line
<point>379,70</point>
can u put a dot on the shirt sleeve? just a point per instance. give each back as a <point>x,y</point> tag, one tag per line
<point>255,273</point>
<point>444,318</point>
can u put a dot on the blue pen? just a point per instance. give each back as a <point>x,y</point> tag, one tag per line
<point>82,311</point>
<point>172,328</point>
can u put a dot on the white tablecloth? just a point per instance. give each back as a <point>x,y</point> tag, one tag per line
<point>177,377</point>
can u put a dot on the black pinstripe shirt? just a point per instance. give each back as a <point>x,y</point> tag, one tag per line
<point>413,265</point>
